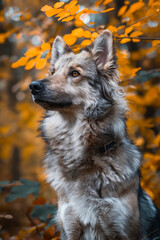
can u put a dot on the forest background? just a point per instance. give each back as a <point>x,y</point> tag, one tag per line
<point>27,30</point>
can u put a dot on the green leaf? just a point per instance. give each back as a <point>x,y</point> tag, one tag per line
<point>43,211</point>
<point>21,191</point>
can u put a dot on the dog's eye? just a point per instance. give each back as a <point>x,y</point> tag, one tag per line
<point>75,73</point>
<point>51,72</point>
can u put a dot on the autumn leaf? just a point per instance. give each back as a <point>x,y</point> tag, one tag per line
<point>136,34</point>
<point>107,10</point>
<point>58,4</point>
<point>70,5</point>
<point>53,12</point>
<point>78,32</point>
<point>69,39</point>
<point>122,10</point>
<point>128,29</point>
<point>30,64</point>
<point>46,8</point>
<point>21,62</point>
<point>97,3</point>
<point>41,62</point>
<point>107,1</point>
<point>45,46</point>
<point>67,19</point>
<point>32,52</point>
<point>85,43</point>
<point>125,40</point>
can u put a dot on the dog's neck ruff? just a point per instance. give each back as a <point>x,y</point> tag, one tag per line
<point>107,147</point>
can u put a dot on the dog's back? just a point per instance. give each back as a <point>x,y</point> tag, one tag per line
<point>91,163</point>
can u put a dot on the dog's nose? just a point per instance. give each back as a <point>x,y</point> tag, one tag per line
<point>36,87</point>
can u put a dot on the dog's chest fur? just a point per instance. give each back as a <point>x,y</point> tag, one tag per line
<point>83,178</point>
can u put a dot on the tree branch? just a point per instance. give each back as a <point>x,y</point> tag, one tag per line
<point>140,38</point>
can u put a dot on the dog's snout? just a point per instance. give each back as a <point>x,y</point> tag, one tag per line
<point>36,87</point>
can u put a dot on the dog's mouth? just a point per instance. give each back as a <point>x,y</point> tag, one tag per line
<point>51,104</point>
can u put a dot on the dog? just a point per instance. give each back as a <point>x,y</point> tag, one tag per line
<point>91,162</point>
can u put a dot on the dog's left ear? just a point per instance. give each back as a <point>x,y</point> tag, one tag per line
<point>59,48</point>
<point>102,49</point>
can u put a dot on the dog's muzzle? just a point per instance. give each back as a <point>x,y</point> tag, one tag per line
<point>48,98</point>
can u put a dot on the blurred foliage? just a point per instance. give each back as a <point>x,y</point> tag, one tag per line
<point>28,29</point>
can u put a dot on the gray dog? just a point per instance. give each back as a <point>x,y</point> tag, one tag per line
<point>91,163</point>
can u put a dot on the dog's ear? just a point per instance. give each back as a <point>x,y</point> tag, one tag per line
<point>59,48</point>
<point>102,49</point>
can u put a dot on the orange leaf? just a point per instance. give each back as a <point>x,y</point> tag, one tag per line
<point>135,6</point>
<point>136,40</point>
<point>122,11</point>
<point>107,10</point>
<point>62,15</point>
<point>85,43</point>
<point>53,11</point>
<point>107,1</point>
<point>45,46</point>
<point>125,40</point>
<point>87,34</point>
<point>155,43</point>
<point>41,62</point>
<point>136,34</point>
<point>69,39</point>
<point>74,9</point>
<point>21,62</point>
<point>112,29</point>
<point>32,52</point>
<point>58,4</point>
<point>31,64</point>
<point>67,19</point>
<point>46,8</point>
<point>70,5</point>
<point>78,32</point>
<point>94,34</point>
<point>128,30</point>
<point>97,3</point>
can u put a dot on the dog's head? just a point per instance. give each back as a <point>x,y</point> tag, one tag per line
<point>85,82</point>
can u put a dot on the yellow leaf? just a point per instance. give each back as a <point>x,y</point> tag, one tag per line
<point>122,11</point>
<point>53,11</point>
<point>125,40</point>
<point>155,43</point>
<point>107,10</point>
<point>4,129</point>
<point>107,1</point>
<point>30,64</point>
<point>128,30</point>
<point>85,43</point>
<point>74,9</point>
<point>58,4</point>
<point>67,19</point>
<point>32,52</point>
<point>78,32</point>
<point>69,39</point>
<point>46,8</point>
<point>70,5</point>
<point>87,34</point>
<point>41,62</point>
<point>45,46</point>
<point>21,62</point>
<point>97,3</point>
<point>136,34</point>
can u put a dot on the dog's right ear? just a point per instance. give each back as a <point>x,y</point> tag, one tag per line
<point>59,48</point>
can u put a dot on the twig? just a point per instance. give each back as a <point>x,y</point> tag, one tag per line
<point>141,38</point>
<point>33,223</point>
<point>139,20</point>
<point>132,80</point>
